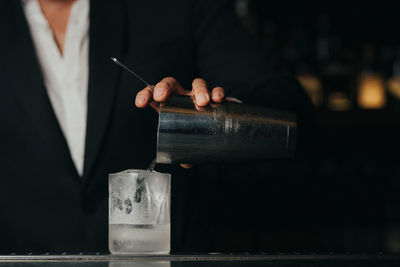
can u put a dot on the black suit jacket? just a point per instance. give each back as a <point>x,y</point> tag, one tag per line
<point>45,206</point>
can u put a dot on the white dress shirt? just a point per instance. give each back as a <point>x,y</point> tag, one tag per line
<point>65,75</point>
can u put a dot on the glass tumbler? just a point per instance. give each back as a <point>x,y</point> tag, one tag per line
<point>139,212</point>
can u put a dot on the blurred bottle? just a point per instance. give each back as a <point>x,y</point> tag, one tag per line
<point>339,101</point>
<point>323,41</point>
<point>305,66</point>
<point>335,74</point>
<point>313,87</point>
<point>371,88</point>
<point>393,82</point>
<point>371,91</point>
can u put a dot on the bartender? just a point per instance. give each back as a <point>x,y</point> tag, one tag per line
<point>67,113</point>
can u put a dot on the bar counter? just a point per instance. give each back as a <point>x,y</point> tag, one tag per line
<point>275,260</point>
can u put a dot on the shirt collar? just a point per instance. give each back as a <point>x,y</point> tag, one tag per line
<point>32,8</point>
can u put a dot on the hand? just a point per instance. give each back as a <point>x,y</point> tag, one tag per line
<point>169,86</point>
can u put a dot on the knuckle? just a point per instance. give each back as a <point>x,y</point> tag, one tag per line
<point>201,89</point>
<point>170,80</point>
<point>145,92</point>
<point>141,93</point>
<point>218,90</point>
<point>163,85</point>
<point>199,82</point>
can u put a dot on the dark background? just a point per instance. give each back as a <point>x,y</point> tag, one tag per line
<point>342,194</point>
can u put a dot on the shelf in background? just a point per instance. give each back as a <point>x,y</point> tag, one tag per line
<point>375,119</point>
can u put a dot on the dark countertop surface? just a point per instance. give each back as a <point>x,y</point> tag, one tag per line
<point>275,260</point>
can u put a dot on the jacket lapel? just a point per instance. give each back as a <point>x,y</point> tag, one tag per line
<point>107,31</point>
<point>107,39</point>
<point>21,67</point>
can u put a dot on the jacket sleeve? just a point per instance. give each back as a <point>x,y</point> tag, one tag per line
<point>228,56</point>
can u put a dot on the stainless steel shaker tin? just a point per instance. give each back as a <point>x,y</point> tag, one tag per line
<point>222,132</point>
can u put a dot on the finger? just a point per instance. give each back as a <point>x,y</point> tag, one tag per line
<point>199,108</point>
<point>218,94</point>
<point>200,92</point>
<point>144,97</point>
<point>186,166</point>
<point>165,88</point>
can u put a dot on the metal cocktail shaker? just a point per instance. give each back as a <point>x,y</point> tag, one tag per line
<point>222,132</point>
